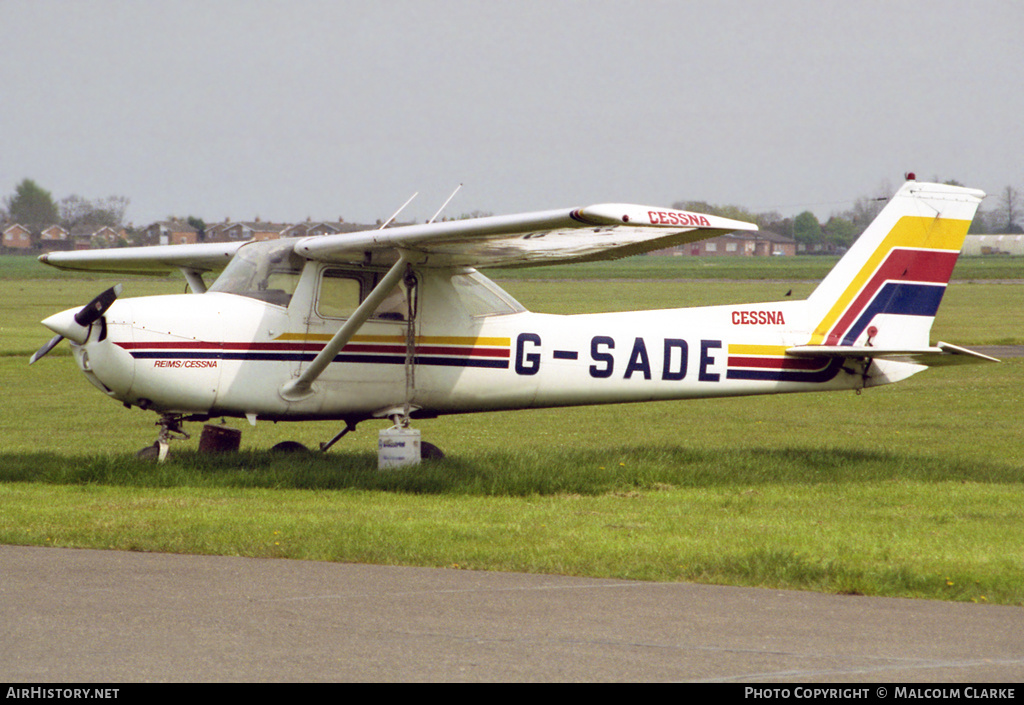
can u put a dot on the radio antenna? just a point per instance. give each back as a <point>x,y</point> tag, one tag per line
<point>388,222</point>
<point>443,205</point>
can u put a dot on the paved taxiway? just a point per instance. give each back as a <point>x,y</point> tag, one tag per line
<point>115,617</point>
<point>1001,351</point>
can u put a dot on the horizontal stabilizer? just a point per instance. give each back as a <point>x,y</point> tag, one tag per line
<point>941,354</point>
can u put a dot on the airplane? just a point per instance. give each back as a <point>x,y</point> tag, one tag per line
<point>399,324</point>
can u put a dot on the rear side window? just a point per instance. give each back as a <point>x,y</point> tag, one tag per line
<point>482,297</point>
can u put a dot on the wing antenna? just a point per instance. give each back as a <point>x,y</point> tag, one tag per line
<point>386,224</point>
<point>445,204</point>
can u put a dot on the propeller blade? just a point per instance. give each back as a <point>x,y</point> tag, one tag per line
<point>46,348</point>
<point>91,312</point>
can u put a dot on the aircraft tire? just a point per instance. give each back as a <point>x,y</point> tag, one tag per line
<point>150,453</point>
<point>428,451</point>
<point>289,447</point>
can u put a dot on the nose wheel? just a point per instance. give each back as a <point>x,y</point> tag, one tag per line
<point>170,429</point>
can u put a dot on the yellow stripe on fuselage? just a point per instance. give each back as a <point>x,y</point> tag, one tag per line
<point>910,231</point>
<point>775,350</point>
<point>420,339</point>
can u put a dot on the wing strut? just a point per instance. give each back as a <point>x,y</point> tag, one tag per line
<point>301,386</point>
<point>194,277</point>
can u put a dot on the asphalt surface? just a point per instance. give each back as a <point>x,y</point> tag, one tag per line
<point>114,617</point>
<point>1000,351</point>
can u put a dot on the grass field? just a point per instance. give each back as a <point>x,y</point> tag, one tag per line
<point>911,490</point>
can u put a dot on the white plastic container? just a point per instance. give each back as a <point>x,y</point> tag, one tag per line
<point>398,447</point>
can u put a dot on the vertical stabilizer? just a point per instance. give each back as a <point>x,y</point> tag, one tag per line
<point>885,291</point>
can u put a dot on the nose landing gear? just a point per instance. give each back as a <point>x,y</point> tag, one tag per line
<point>170,429</point>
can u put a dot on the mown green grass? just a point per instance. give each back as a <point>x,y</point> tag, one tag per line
<point>934,539</point>
<point>910,490</point>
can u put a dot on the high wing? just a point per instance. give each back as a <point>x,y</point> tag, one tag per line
<point>605,231</point>
<point>158,260</point>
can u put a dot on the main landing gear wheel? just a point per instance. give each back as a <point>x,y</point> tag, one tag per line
<point>289,447</point>
<point>152,453</point>
<point>428,451</point>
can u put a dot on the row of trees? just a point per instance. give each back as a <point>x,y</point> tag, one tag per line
<point>34,207</point>
<point>1004,213</point>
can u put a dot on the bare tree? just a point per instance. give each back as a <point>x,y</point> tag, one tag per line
<point>76,210</point>
<point>1008,211</point>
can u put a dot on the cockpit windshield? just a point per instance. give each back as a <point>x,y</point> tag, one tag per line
<point>267,270</point>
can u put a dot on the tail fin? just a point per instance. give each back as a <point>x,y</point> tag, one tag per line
<point>885,291</point>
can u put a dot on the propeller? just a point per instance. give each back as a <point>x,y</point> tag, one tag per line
<point>91,312</point>
<point>84,318</point>
<point>46,348</point>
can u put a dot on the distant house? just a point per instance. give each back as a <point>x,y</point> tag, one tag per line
<point>820,248</point>
<point>309,228</point>
<point>176,232</point>
<point>55,238</point>
<point>107,236</point>
<point>213,232</point>
<point>761,243</point>
<point>172,232</point>
<point>17,237</point>
<point>251,230</point>
<point>87,237</point>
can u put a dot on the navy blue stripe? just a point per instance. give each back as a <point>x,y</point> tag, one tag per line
<point>463,362</point>
<point>220,355</point>
<point>899,298</point>
<point>578,216</point>
<point>826,374</point>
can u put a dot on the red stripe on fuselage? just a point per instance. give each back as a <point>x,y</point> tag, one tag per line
<point>779,363</point>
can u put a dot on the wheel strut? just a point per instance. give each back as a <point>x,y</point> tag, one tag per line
<point>349,426</point>
<point>170,429</point>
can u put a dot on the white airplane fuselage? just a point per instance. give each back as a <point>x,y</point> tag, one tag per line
<point>394,324</point>
<point>475,349</point>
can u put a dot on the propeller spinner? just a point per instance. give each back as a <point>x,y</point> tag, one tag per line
<point>76,326</point>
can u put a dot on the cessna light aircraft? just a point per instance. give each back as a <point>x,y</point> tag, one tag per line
<point>398,324</point>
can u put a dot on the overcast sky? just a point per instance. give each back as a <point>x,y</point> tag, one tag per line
<point>306,108</point>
